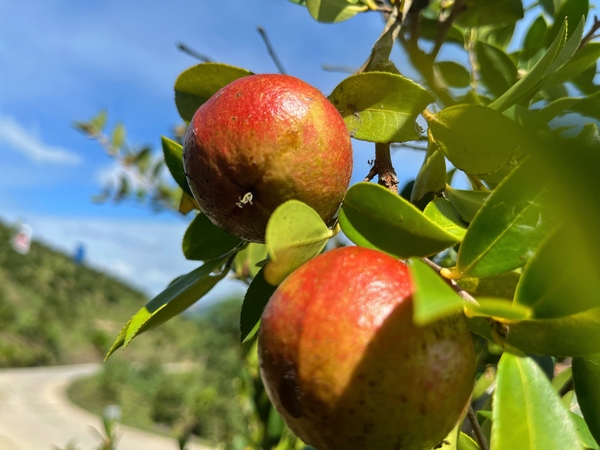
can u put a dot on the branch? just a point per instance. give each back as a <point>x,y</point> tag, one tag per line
<point>380,55</point>
<point>590,34</point>
<point>460,291</point>
<point>442,31</point>
<point>334,68</point>
<point>383,168</point>
<point>481,440</point>
<point>194,54</point>
<point>265,38</point>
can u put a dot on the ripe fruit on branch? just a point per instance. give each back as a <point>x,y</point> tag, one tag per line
<point>260,141</point>
<point>346,367</point>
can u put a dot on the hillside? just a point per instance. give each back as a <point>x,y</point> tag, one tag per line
<point>53,311</point>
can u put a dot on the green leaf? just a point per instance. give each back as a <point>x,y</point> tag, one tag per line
<point>454,74</point>
<point>197,84</point>
<point>257,296</point>
<point>586,379</point>
<point>432,174</point>
<point>498,72</point>
<point>172,152</point>
<point>373,217</point>
<point>441,212</point>
<point>575,335</point>
<point>203,240</point>
<point>433,298</point>
<point>570,10</point>
<point>585,436</point>
<point>176,298</point>
<point>98,122</point>
<point>466,203</point>
<point>510,226</point>
<point>588,106</point>
<point>295,234</point>
<point>490,12</point>
<point>330,11</point>
<point>585,57</point>
<point>380,106</point>
<point>499,286</point>
<point>547,284</point>
<point>534,39</point>
<point>118,136</point>
<point>529,83</point>
<point>476,139</point>
<point>527,413</point>
<point>498,308</point>
<point>246,261</point>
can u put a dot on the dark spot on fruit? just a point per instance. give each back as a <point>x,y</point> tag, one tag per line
<point>423,409</point>
<point>403,399</point>
<point>368,427</point>
<point>238,95</point>
<point>351,411</point>
<point>234,118</point>
<point>372,383</point>
<point>289,391</point>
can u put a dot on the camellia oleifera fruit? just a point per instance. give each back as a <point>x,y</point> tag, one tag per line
<point>260,141</point>
<point>346,367</point>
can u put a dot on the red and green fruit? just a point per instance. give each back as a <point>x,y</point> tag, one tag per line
<point>346,367</point>
<point>260,141</point>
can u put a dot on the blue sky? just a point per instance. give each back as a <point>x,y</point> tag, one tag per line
<point>63,60</point>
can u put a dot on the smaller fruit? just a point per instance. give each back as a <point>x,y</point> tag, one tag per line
<point>346,367</point>
<point>260,141</point>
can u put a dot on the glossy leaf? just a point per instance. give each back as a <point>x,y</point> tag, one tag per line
<point>330,11</point>
<point>372,216</point>
<point>586,379</point>
<point>572,11</point>
<point>499,286</point>
<point>547,284</point>
<point>203,240</point>
<point>187,203</point>
<point>432,174</point>
<point>534,39</point>
<point>527,413</point>
<point>380,106</point>
<point>588,106</point>
<point>454,74</point>
<point>585,436</point>
<point>176,298</point>
<point>490,12</point>
<point>530,82</point>
<point>457,440</point>
<point>295,234</point>
<point>498,308</point>
<point>433,298</point>
<point>441,212</point>
<point>466,203</point>
<point>172,152</point>
<point>576,335</point>
<point>584,58</point>
<point>197,84</point>
<point>257,296</point>
<point>476,139</point>
<point>510,226</point>
<point>498,72</point>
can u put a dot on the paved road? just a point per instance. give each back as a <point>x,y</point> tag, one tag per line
<point>35,414</point>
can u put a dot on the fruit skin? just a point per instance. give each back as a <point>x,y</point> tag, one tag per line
<point>345,366</point>
<point>274,137</point>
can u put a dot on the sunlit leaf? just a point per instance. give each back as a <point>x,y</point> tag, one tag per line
<point>467,203</point>
<point>98,122</point>
<point>176,298</point>
<point>476,139</point>
<point>586,379</point>
<point>510,226</point>
<point>380,106</point>
<point>187,203</point>
<point>246,260</point>
<point>441,212</point>
<point>329,11</point>
<point>527,413</point>
<point>258,294</point>
<point>118,136</point>
<point>197,84</point>
<point>172,152</point>
<point>295,234</point>
<point>432,174</point>
<point>203,240</point>
<point>500,286</point>
<point>433,298</point>
<point>498,308</point>
<point>585,57</point>
<point>372,216</point>
<point>585,435</point>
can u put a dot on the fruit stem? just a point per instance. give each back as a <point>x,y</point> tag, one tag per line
<point>460,291</point>
<point>481,440</point>
<point>383,168</point>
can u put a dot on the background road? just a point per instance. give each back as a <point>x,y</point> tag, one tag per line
<point>35,414</point>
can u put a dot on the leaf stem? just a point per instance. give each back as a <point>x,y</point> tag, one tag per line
<point>460,291</point>
<point>590,34</point>
<point>274,57</point>
<point>383,168</point>
<point>193,53</point>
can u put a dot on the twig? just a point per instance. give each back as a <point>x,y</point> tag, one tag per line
<point>568,386</point>
<point>265,38</point>
<point>383,47</point>
<point>457,9</point>
<point>193,53</point>
<point>481,440</point>
<point>460,291</point>
<point>590,34</point>
<point>334,68</point>
<point>383,168</point>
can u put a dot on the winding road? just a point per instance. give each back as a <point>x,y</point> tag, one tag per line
<point>35,414</point>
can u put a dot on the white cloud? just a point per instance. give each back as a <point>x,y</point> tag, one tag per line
<point>18,138</point>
